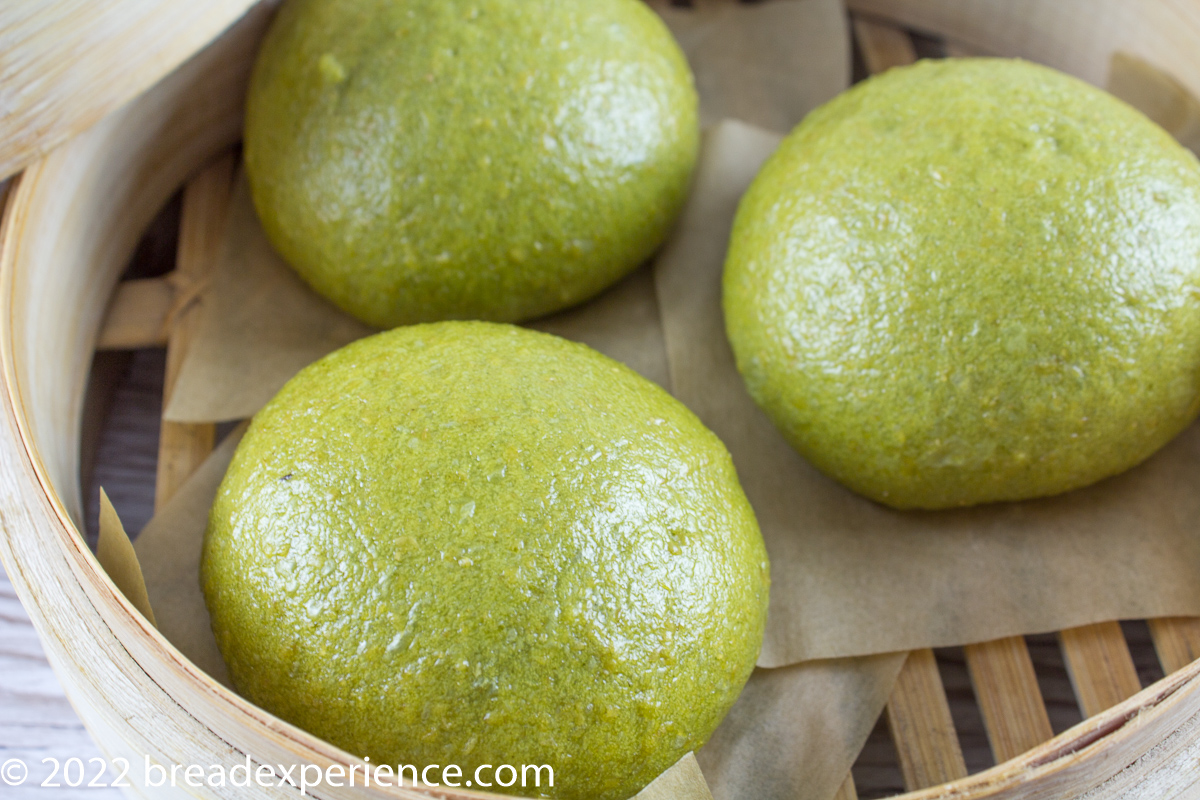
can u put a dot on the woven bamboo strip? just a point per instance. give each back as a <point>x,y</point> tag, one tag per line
<point>1101,669</point>
<point>183,446</point>
<point>1009,698</point>
<point>1177,641</point>
<point>922,728</point>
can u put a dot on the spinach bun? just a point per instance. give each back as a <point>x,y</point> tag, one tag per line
<point>418,160</point>
<point>469,543</point>
<point>971,280</point>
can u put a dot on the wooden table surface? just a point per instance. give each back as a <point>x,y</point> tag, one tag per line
<point>36,721</point>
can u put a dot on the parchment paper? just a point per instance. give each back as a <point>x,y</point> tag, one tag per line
<point>768,63</point>
<point>116,554</point>
<point>168,549</point>
<point>795,732</point>
<point>260,325</point>
<point>850,577</point>
<point>683,781</point>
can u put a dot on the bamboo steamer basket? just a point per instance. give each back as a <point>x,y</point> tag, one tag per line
<point>72,221</point>
<point>52,50</point>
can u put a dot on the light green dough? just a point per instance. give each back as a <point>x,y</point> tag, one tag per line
<point>469,543</point>
<point>417,160</point>
<point>969,281</point>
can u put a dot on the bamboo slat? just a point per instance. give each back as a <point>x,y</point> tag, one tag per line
<point>183,446</point>
<point>922,728</point>
<point>1101,669</point>
<point>138,315</point>
<point>1176,640</point>
<point>1009,698</point>
<point>1068,766</point>
<point>847,791</point>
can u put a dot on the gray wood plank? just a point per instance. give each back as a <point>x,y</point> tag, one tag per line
<point>36,721</point>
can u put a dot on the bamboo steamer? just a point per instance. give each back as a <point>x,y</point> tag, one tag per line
<point>60,71</point>
<point>70,225</point>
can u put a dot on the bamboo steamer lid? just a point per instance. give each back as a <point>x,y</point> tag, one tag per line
<point>65,64</point>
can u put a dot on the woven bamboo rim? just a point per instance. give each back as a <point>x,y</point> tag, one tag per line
<point>61,71</point>
<point>70,225</point>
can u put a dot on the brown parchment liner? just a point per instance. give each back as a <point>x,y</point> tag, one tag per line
<point>260,324</point>
<point>169,551</point>
<point>853,581</point>
<point>115,553</point>
<point>682,781</point>
<point>767,64</point>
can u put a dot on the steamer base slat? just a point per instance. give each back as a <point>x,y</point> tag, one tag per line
<point>1100,666</point>
<point>1010,700</point>
<point>919,718</point>
<point>1177,641</point>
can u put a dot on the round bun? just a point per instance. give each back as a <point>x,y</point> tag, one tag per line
<point>970,281</point>
<point>469,543</point>
<point>418,160</point>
